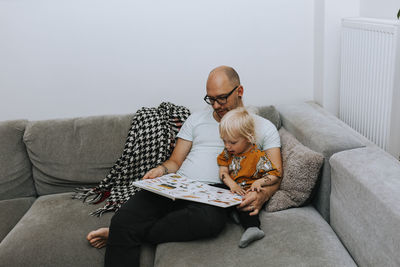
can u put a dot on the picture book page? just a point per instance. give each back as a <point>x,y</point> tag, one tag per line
<point>178,187</point>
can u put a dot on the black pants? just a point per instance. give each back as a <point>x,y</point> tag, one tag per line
<point>248,221</point>
<point>245,219</point>
<point>148,217</point>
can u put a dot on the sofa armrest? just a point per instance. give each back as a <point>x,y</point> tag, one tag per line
<point>15,167</point>
<point>365,210</point>
<point>11,211</point>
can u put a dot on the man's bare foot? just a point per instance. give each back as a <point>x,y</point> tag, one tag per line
<point>98,238</point>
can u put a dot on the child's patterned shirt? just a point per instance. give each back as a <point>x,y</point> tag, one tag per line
<point>247,167</point>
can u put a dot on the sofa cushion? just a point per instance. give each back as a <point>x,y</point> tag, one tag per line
<point>68,153</point>
<point>11,211</point>
<point>15,167</point>
<point>53,233</point>
<point>342,124</point>
<point>301,167</point>
<point>321,134</point>
<point>365,210</point>
<point>293,237</point>
<point>271,114</point>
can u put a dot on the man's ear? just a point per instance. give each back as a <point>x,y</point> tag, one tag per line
<point>240,90</point>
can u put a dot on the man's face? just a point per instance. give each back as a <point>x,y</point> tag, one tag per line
<point>218,86</point>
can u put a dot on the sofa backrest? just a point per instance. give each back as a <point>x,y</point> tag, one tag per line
<point>15,167</point>
<point>322,134</point>
<point>70,153</point>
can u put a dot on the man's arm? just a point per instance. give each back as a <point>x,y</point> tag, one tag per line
<point>181,150</point>
<point>253,200</point>
<point>274,155</point>
<point>266,180</point>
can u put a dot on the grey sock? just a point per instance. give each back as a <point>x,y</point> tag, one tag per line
<point>251,234</point>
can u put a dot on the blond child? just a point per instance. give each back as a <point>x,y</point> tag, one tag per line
<point>243,167</point>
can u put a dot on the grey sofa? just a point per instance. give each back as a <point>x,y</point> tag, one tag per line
<point>351,220</point>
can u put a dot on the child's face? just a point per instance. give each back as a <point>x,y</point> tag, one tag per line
<point>236,145</point>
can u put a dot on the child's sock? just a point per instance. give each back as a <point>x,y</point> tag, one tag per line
<point>251,234</point>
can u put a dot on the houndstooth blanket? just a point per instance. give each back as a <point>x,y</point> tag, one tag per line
<point>150,142</point>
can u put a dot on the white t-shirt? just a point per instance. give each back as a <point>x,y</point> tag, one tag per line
<point>202,130</point>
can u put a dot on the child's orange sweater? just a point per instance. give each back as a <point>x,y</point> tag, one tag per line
<point>247,167</point>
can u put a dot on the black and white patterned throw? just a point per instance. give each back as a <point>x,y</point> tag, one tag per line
<point>150,142</point>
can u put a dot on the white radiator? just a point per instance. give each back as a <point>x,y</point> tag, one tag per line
<point>370,80</point>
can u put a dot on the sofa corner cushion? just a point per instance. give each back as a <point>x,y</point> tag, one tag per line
<point>68,153</point>
<point>365,211</point>
<point>293,237</point>
<point>321,134</point>
<point>15,167</point>
<point>270,113</point>
<point>53,233</point>
<point>316,131</point>
<point>301,168</point>
<point>11,211</point>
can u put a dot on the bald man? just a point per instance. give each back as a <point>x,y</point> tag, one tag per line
<point>150,218</point>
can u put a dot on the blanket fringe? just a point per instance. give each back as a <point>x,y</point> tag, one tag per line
<point>90,195</point>
<point>81,192</point>
<point>99,212</point>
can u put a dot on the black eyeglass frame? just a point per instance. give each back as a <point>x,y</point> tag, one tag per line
<point>222,99</point>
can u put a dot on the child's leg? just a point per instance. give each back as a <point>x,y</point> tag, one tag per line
<point>252,226</point>
<point>250,235</point>
<point>248,221</point>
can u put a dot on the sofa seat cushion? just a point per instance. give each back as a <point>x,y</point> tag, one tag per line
<point>53,233</point>
<point>293,237</point>
<point>15,167</point>
<point>69,153</point>
<point>11,211</point>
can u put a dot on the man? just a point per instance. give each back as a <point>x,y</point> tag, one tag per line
<point>148,217</point>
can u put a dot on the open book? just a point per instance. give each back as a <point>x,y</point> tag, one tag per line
<point>175,186</point>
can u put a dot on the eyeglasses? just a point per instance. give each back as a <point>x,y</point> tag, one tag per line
<point>222,99</point>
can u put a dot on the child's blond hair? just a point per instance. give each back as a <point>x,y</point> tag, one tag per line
<point>238,123</point>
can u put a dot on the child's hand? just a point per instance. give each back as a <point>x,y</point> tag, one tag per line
<point>256,186</point>
<point>235,188</point>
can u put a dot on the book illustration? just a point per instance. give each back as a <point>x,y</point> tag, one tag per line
<point>167,186</point>
<point>178,187</point>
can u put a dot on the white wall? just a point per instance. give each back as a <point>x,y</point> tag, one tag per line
<point>89,57</point>
<point>327,28</point>
<point>383,9</point>
<point>328,17</point>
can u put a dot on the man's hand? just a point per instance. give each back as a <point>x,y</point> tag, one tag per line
<point>253,201</point>
<point>154,173</point>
